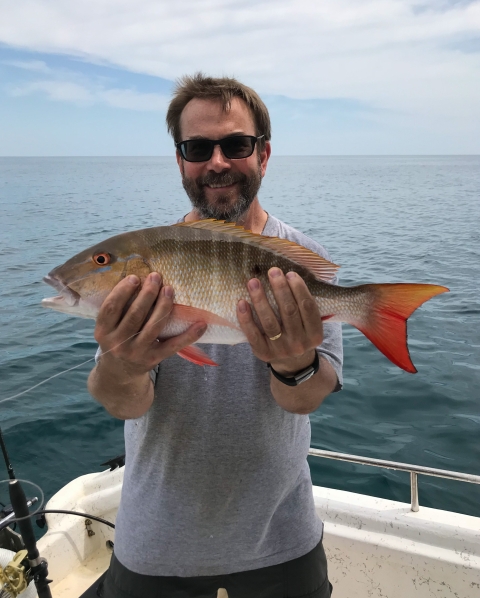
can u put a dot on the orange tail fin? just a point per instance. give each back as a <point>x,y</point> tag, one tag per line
<point>386,323</point>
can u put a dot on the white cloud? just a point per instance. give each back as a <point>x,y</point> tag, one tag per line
<point>64,85</point>
<point>36,66</point>
<point>399,55</point>
<point>133,100</point>
<point>64,91</point>
<point>280,44</point>
<point>68,91</point>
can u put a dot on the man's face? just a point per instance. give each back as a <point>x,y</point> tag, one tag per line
<point>221,188</point>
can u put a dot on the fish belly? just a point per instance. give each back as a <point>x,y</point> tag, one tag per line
<point>215,334</point>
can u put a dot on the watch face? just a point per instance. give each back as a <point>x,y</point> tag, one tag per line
<point>305,375</point>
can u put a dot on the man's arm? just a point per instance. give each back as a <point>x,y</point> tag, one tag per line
<point>301,331</point>
<point>124,397</point>
<point>129,347</point>
<point>309,395</point>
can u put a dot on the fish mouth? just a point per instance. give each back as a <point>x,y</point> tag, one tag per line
<point>67,295</point>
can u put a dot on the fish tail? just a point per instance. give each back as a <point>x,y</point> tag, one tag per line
<point>384,322</point>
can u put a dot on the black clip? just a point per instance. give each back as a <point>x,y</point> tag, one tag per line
<point>115,462</point>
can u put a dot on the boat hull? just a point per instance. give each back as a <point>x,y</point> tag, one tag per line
<point>375,547</point>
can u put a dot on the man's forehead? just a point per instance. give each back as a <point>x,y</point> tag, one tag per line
<point>203,115</point>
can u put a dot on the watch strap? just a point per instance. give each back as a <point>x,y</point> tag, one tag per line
<point>299,377</point>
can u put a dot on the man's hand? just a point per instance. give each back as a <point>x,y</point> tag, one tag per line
<point>300,326</point>
<point>132,339</point>
<point>129,345</point>
<point>300,329</point>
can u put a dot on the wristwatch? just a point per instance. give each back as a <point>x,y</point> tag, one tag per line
<point>301,376</point>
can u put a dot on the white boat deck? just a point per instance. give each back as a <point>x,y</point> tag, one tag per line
<point>81,578</point>
<point>376,548</point>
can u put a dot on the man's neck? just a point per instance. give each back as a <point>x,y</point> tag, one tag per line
<point>254,220</point>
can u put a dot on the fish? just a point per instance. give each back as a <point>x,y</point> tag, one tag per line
<point>209,262</point>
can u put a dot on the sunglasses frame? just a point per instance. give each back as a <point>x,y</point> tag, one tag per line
<point>215,142</point>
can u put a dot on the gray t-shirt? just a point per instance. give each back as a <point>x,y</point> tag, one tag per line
<point>216,475</point>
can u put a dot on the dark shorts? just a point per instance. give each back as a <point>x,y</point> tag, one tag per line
<point>305,577</point>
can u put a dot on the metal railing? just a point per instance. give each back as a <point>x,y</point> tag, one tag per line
<point>414,470</point>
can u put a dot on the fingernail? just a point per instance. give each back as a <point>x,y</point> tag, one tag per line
<point>273,272</point>
<point>132,279</point>
<point>253,284</point>
<point>242,307</point>
<point>291,275</point>
<point>168,292</point>
<point>201,330</point>
<point>155,278</point>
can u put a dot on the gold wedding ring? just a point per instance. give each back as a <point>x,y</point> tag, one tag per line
<point>276,337</point>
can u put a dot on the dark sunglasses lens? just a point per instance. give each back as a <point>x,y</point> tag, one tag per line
<point>197,150</point>
<point>200,150</point>
<point>237,147</point>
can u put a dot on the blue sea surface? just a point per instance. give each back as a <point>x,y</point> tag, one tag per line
<point>384,219</point>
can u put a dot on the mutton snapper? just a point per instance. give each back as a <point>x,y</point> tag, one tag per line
<point>209,262</point>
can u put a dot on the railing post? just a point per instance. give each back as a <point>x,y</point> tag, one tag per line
<point>414,492</point>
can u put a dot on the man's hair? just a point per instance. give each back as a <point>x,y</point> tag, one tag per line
<point>222,89</point>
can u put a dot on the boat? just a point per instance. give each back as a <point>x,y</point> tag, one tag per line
<point>376,548</point>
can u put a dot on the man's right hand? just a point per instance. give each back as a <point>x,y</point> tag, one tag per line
<point>130,347</point>
<point>130,339</point>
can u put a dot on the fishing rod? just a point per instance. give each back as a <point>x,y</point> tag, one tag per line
<point>38,565</point>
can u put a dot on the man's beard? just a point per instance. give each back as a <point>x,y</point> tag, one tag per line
<point>223,208</point>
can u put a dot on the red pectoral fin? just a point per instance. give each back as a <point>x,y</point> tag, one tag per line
<point>195,355</point>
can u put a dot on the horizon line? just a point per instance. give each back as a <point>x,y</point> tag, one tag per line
<point>273,156</point>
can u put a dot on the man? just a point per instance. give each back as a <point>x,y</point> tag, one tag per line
<point>217,490</point>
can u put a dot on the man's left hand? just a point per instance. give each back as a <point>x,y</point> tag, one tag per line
<point>300,326</point>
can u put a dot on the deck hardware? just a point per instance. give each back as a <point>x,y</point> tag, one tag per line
<point>415,506</point>
<point>88,525</point>
<point>10,515</point>
<point>41,521</point>
<point>414,471</point>
<point>118,461</point>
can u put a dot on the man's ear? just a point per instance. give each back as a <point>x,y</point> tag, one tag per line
<point>265,156</point>
<point>178,155</point>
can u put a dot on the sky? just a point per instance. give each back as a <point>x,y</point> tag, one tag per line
<point>340,77</point>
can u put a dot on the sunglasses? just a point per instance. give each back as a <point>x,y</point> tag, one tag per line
<point>235,147</point>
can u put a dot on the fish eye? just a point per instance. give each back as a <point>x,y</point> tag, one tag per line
<point>101,259</point>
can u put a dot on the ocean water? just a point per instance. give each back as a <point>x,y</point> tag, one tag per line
<point>384,219</point>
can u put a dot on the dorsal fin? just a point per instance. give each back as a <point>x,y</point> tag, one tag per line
<point>321,268</point>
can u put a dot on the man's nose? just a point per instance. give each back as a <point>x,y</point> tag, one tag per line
<point>218,162</point>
